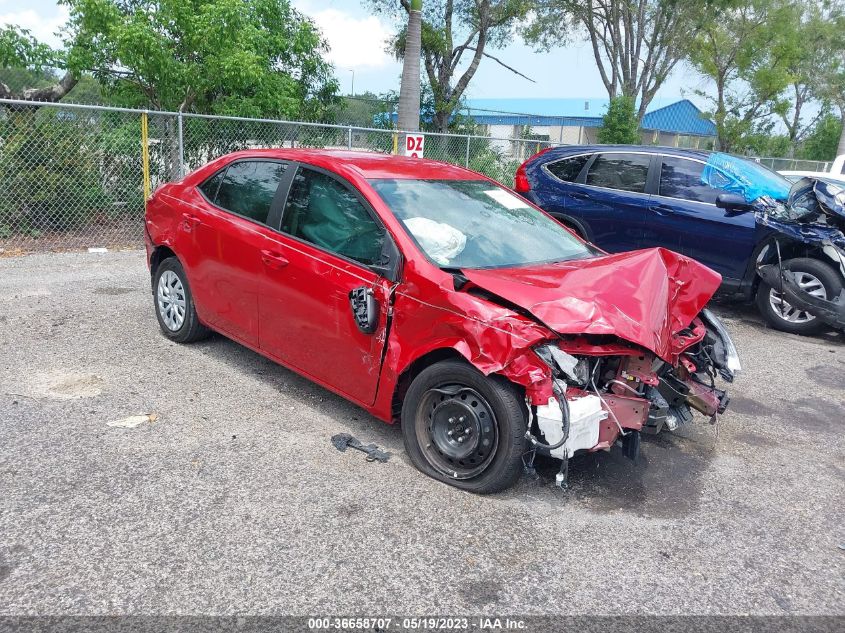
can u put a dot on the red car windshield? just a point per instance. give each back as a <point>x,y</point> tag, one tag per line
<point>476,224</point>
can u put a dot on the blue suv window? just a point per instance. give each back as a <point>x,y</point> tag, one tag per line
<point>568,169</point>
<point>681,178</point>
<point>627,172</point>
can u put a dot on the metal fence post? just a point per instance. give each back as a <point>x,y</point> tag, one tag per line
<point>349,138</point>
<point>181,147</point>
<point>145,156</point>
<point>466,160</point>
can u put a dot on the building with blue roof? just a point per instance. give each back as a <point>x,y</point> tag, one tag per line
<point>576,121</point>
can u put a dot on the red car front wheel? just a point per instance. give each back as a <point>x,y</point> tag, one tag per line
<point>465,428</point>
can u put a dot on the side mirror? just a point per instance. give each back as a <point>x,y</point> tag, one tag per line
<point>732,203</point>
<point>390,262</point>
<point>364,309</point>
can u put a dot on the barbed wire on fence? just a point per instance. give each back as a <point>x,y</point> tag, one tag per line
<point>73,176</point>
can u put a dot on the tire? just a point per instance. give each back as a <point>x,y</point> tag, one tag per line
<point>816,272</point>
<point>171,290</point>
<point>487,411</point>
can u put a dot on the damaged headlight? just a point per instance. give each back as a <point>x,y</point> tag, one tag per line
<point>575,370</point>
<point>731,356</point>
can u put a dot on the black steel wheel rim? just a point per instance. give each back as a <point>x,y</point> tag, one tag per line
<point>457,430</point>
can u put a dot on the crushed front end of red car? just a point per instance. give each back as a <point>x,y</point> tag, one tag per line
<point>605,348</point>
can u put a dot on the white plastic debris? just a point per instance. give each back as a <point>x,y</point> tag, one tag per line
<point>98,249</point>
<point>134,421</point>
<point>585,414</point>
<point>565,361</point>
<point>442,242</point>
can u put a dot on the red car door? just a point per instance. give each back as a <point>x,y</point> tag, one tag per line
<point>329,236</point>
<point>226,230</point>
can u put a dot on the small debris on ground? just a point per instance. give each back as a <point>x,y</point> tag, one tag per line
<point>342,441</point>
<point>134,421</point>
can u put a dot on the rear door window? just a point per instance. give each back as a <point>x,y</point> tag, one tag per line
<point>568,169</point>
<point>626,172</point>
<point>681,178</point>
<point>247,188</point>
<point>326,213</point>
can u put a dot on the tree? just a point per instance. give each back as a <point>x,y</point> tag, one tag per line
<point>636,43</point>
<point>365,109</point>
<point>620,124</point>
<point>453,33</point>
<point>820,42</point>
<point>409,90</point>
<point>821,142</point>
<point>747,52</point>
<point>828,76</point>
<point>257,58</point>
<point>20,50</point>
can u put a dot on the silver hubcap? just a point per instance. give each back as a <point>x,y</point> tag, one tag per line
<point>170,296</point>
<point>809,284</point>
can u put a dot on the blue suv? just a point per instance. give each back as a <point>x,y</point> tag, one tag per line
<point>697,203</point>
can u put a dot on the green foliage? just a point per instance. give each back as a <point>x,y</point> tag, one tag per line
<point>260,58</point>
<point>364,110</point>
<point>495,165</point>
<point>18,48</point>
<point>19,77</point>
<point>748,52</point>
<point>87,89</point>
<point>767,144</point>
<point>619,124</point>
<point>49,169</point>
<point>821,142</point>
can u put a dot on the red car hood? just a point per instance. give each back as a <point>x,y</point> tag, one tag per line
<point>644,297</point>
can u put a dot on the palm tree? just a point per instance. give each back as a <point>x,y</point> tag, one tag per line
<point>409,91</point>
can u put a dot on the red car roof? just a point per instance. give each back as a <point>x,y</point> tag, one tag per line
<point>369,164</point>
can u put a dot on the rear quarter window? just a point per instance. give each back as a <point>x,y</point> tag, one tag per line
<point>567,169</point>
<point>211,186</point>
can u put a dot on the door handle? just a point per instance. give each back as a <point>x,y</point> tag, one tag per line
<point>190,221</point>
<point>661,209</point>
<point>272,259</point>
<point>579,196</point>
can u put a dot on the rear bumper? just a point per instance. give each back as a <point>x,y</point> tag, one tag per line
<point>148,245</point>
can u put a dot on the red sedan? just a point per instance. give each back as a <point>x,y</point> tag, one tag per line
<point>432,296</point>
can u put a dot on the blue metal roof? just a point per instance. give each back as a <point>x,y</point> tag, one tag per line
<point>681,117</point>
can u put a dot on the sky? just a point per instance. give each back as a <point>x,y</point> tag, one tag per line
<point>357,39</point>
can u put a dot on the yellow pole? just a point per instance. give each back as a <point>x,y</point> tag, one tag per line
<point>145,156</point>
<point>395,143</point>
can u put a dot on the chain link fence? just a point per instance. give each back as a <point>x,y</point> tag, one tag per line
<point>795,164</point>
<point>73,176</point>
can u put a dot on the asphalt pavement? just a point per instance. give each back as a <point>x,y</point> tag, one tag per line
<point>231,499</point>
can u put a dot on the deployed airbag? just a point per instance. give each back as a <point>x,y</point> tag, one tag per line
<point>441,241</point>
